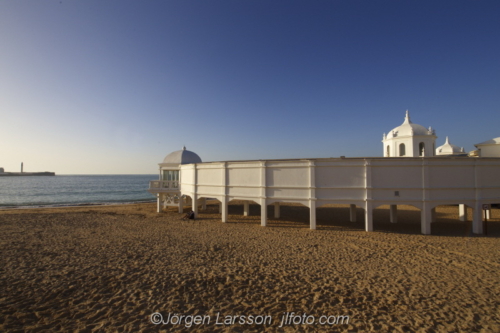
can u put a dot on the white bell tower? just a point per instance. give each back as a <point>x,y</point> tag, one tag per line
<point>409,140</point>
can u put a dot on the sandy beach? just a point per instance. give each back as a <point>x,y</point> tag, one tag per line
<point>109,268</point>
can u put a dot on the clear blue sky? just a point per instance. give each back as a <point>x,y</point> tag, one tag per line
<point>107,86</point>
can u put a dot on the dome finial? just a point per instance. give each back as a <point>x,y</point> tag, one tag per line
<point>449,149</point>
<point>183,147</point>
<point>407,117</point>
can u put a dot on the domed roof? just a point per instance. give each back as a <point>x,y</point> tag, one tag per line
<point>449,149</point>
<point>182,156</point>
<point>494,141</point>
<point>409,129</point>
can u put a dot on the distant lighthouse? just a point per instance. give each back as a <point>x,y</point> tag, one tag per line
<point>21,167</point>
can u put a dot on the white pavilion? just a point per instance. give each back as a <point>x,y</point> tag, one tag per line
<point>409,140</point>
<point>449,149</point>
<point>167,188</point>
<point>408,174</point>
<point>490,148</point>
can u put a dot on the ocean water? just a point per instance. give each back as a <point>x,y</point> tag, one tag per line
<point>73,190</point>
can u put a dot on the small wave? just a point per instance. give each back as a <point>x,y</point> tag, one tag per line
<point>74,204</point>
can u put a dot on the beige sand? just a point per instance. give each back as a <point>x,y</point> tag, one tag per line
<point>108,269</point>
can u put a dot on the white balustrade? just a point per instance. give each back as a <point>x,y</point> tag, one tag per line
<point>163,184</point>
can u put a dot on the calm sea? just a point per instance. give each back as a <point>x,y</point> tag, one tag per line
<point>72,190</point>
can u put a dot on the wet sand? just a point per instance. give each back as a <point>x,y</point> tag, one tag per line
<point>107,269</point>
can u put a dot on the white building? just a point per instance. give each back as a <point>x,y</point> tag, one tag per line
<point>490,148</point>
<point>167,188</point>
<point>423,182</point>
<point>409,140</point>
<point>448,149</point>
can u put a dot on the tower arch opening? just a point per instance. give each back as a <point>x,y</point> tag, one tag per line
<point>402,149</point>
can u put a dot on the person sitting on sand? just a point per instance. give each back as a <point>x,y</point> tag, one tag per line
<point>189,216</point>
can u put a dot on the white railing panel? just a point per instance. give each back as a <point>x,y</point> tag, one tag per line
<point>164,184</point>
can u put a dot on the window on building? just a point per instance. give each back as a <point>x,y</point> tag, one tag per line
<point>171,175</point>
<point>402,150</point>
<point>388,152</point>
<point>421,148</point>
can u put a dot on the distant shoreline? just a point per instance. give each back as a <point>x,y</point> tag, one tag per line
<point>23,174</point>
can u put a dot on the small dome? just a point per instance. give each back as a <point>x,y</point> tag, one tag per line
<point>449,149</point>
<point>409,129</point>
<point>494,141</point>
<point>182,156</point>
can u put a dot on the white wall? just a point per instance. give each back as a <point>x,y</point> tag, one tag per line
<point>366,182</point>
<point>490,150</point>
<point>440,180</point>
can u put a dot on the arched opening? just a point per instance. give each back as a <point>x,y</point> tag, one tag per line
<point>202,203</point>
<point>397,218</point>
<point>421,148</point>
<point>210,207</point>
<point>242,207</point>
<point>335,216</point>
<point>402,150</point>
<point>388,151</point>
<point>453,219</point>
<point>291,214</point>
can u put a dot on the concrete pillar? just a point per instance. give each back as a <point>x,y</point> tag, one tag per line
<point>263,212</point>
<point>263,194</point>
<point>204,204</point>
<point>433,214</point>
<point>181,204</point>
<point>488,214</point>
<point>425,220</point>
<point>224,209</point>
<point>312,214</point>
<point>462,212</point>
<point>352,213</point>
<point>312,195</point>
<point>246,208</point>
<point>393,213</point>
<point>276,210</point>
<point>477,219</point>
<point>158,203</point>
<point>195,205</point>
<point>368,216</point>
